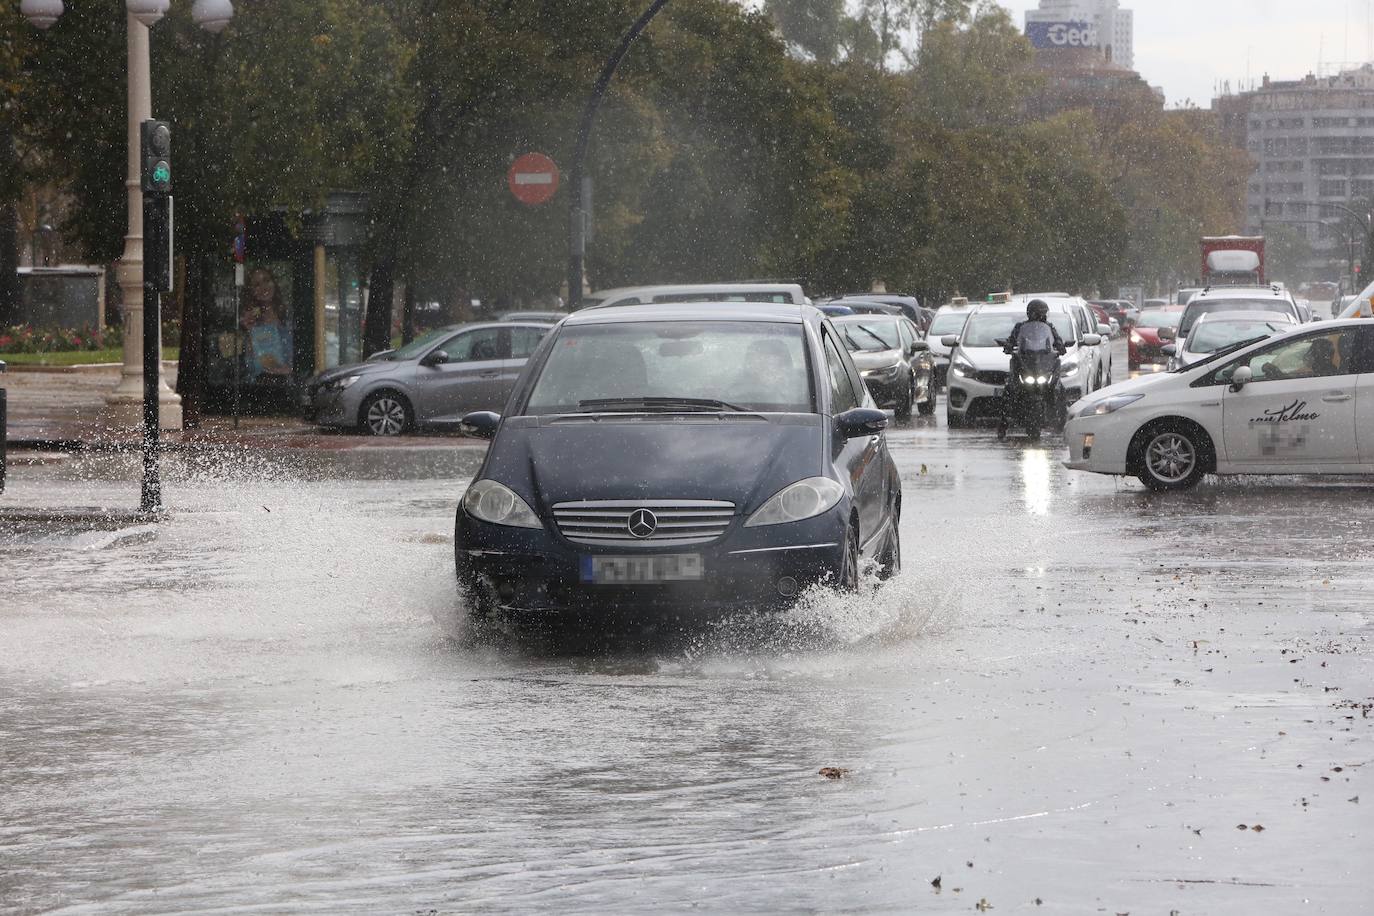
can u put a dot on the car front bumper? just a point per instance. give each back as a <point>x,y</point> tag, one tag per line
<point>538,570</point>
<point>1098,444</point>
<point>970,400</point>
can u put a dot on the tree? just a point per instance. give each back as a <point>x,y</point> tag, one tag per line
<point>813,27</point>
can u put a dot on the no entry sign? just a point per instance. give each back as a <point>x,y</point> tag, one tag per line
<point>533,179</point>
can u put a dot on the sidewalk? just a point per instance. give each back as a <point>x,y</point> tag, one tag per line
<point>60,409</point>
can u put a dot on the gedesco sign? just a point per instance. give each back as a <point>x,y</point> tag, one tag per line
<point>1062,34</point>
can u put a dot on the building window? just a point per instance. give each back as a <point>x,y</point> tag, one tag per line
<point>1330,188</point>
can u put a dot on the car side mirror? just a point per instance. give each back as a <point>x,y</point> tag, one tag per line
<point>917,346</point>
<point>949,340</point>
<point>481,424</point>
<point>861,421</point>
<point>1241,377</point>
<point>1104,330</point>
<point>1168,334</point>
<point>1169,350</point>
<point>1091,340</point>
<point>434,358</point>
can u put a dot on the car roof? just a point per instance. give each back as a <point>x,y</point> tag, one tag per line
<point>782,312</point>
<point>1018,306</point>
<point>1213,317</point>
<point>667,289</point>
<point>1213,293</point>
<point>837,319</point>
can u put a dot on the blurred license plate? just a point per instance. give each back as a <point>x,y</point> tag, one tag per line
<point>674,567</point>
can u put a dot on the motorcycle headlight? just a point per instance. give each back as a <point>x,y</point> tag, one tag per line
<point>803,499</point>
<point>962,367</point>
<point>492,502</point>
<point>1109,405</point>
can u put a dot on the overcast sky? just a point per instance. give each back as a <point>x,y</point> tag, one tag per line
<point>1188,46</point>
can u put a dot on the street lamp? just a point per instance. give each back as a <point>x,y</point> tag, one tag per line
<point>124,405</point>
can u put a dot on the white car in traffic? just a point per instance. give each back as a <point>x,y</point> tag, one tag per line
<point>1298,403</point>
<point>949,320</point>
<point>1222,330</point>
<point>978,368</point>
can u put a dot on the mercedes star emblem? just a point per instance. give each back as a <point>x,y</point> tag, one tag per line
<point>642,523</point>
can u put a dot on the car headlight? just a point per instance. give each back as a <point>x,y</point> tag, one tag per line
<point>962,367</point>
<point>1136,338</point>
<point>884,372</point>
<point>339,384</point>
<point>803,499</point>
<point>498,504</point>
<point>1109,405</point>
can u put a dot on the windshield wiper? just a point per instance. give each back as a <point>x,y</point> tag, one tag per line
<point>886,345</point>
<point>669,404</point>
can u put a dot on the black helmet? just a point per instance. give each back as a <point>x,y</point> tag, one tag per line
<point>1038,310</point>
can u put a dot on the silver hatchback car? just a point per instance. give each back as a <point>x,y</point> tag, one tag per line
<point>433,381</point>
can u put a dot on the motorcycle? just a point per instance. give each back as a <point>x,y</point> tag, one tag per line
<point>1034,394</point>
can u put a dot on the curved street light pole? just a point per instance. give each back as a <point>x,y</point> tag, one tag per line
<point>579,204</point>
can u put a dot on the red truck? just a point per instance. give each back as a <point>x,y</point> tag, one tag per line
<point>1233,260</point>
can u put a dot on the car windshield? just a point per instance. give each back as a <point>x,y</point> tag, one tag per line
<point>1158,319</point>
<point>948,323</point>
<point>869,334</point>
<point>419,345</point>
<point>1210,336</point>
<point>675,365</point>
<point>986,330</point>
<point>1198,309</point>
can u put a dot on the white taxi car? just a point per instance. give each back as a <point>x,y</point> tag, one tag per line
<point>1301,402</point>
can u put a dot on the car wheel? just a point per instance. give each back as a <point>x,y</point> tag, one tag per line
<point>902,410</point>
<point>892,556</point>
<point>849,571</point>
<point>385,413</point>
<point>927,407</point>
<point>1172,458</point>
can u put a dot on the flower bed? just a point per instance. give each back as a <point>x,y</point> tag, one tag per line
<point>27,339</point>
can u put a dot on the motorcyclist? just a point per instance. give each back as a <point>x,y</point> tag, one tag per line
<point>1035,334</point>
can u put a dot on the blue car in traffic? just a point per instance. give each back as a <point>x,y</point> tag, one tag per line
<point>689,455</point>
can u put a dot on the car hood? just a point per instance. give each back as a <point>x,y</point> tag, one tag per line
<point>373,368</point>
<point>875,359</point>
<point>986,359</point>
<point>1140,385</point>
<point>743,460</point>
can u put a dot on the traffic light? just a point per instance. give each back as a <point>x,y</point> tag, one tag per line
<point>156,153</point>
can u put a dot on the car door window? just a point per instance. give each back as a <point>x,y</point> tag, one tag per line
<point>905,330</point>
<point>1312,356</point>
<point>524,341</point>
<point>842,395</point>
<point>475,346</point>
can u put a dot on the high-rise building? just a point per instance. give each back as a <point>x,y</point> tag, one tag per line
<point>1110,28</point>
<point>1312,141</point>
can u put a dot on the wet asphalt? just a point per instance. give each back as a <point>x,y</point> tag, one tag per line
<point>1079,697</point>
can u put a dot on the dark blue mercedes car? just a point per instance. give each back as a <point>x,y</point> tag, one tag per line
<point>692,456</point>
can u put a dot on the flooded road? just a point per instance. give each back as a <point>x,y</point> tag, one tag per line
<point>1077,698</point>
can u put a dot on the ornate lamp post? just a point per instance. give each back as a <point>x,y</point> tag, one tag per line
<point>124,405</point>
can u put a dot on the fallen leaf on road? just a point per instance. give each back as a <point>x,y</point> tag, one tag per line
<point>834,772</point>
<point>1258,828</point>
<point>982,905</point>
<point>936,883</point>
<point>1242,826</point>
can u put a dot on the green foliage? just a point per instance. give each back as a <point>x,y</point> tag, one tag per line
<point>731,144</point>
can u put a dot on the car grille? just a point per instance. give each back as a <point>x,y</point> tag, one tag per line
<point>991,378</point>
<point>677,522</point>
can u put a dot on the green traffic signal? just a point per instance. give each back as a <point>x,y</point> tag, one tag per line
<point>162,174</point>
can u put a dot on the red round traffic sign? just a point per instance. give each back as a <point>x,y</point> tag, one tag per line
<point>533,179</point>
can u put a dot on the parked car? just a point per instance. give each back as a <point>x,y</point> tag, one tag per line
<point>431,382</point>
<point>1143,344</point>
<point>979,369</point>
<point>835,310</point>
<point>684,457</point>
<point>1216,331</point>
<point>894,361</point>
<point>1285,405</point>
<point>1104,317</point>
<point>696,292</point>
